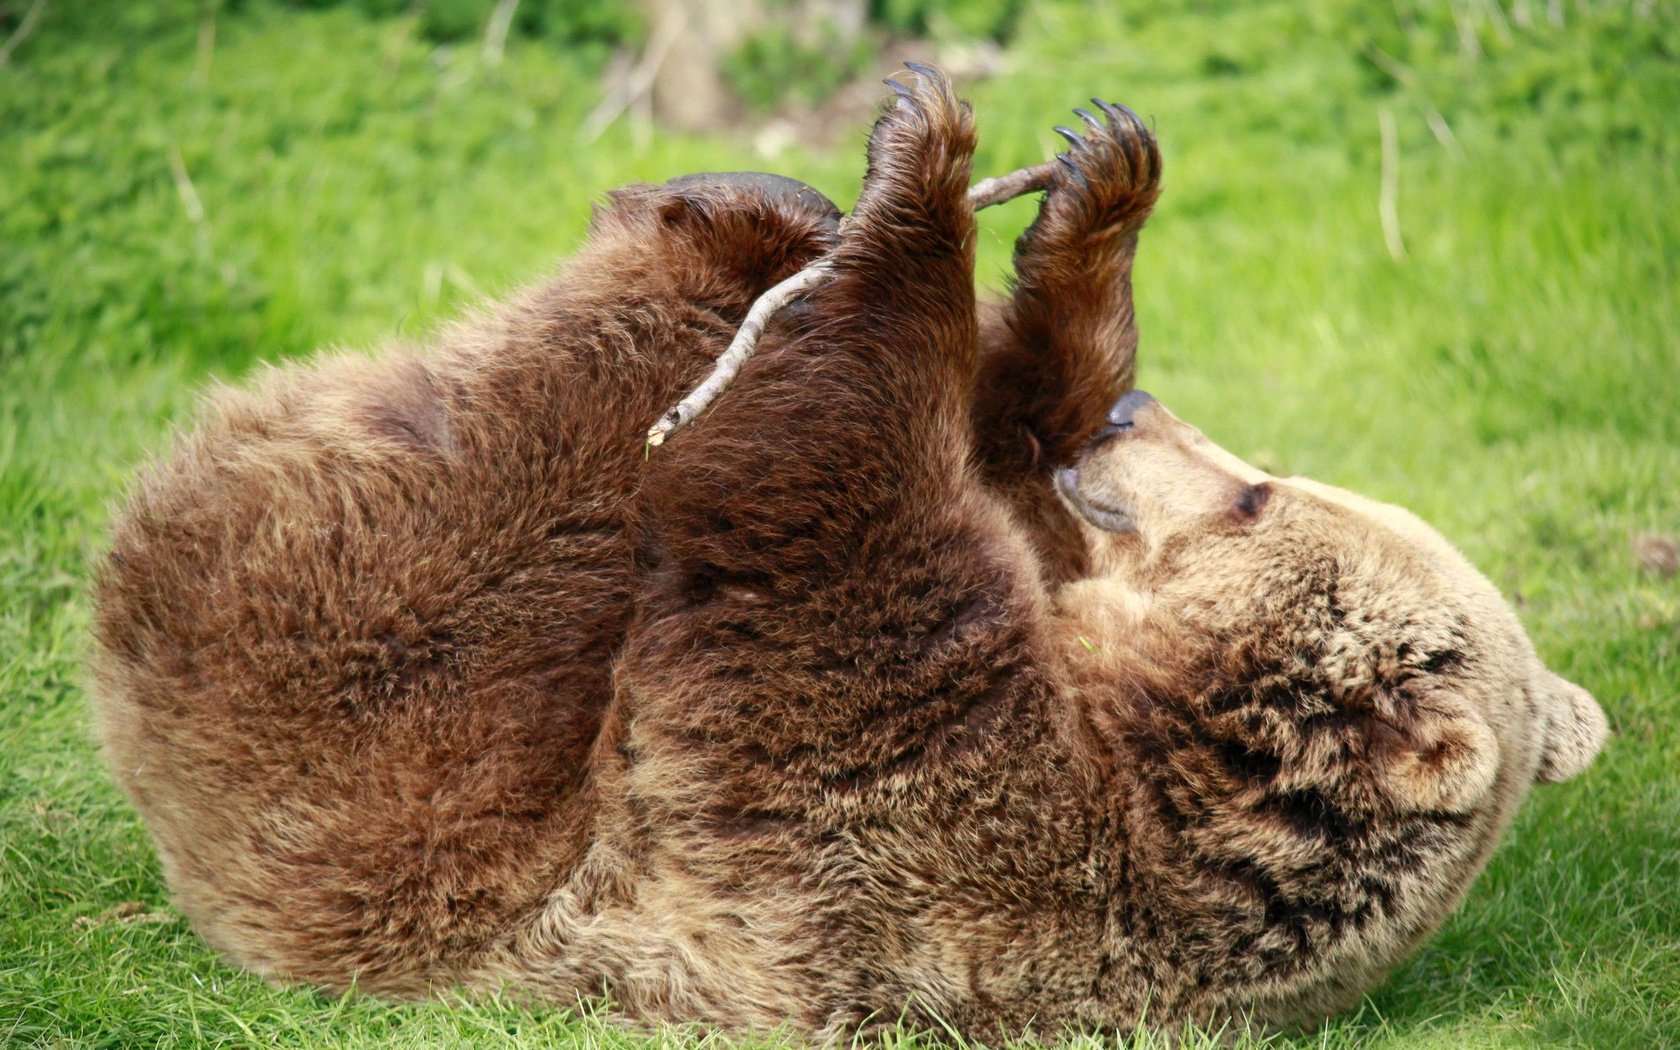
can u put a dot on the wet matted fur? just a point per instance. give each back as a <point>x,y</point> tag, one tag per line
<point>844,703</point>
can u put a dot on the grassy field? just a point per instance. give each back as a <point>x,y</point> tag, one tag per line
<point>185,195</point>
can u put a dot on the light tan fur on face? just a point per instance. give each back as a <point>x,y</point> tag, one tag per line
<point>1178,488</point>
<point>1328,647</point>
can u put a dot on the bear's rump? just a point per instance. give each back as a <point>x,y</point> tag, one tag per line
<point>351,680</point>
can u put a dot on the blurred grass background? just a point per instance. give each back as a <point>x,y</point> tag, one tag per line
<point>188,190</point>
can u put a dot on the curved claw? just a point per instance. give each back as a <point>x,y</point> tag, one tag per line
<point>1072,167</point>
<point>1116,113</point>
<point>898,89</point>
<point>1076,140</point>
<point>924,70</point>
<point>1091,121</point>
<point>1150,157</point>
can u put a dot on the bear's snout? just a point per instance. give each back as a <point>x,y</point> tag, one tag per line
<point>1103,515</point>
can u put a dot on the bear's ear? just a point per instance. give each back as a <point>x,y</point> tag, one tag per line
<point>1575,728</point>
<point>1443,760</point>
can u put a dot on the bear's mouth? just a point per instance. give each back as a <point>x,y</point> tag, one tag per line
<point>1101,514</point>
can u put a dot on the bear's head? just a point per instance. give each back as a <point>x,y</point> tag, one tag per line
<point>1344,711</point>
<point>1339,600</point>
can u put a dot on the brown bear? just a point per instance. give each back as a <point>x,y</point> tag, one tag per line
<point>913,681</point>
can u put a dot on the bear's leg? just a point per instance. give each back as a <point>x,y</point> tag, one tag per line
<point>1060,351</point>
<point>835,632</point>
<point>857,397</point>
<point>826,583</point>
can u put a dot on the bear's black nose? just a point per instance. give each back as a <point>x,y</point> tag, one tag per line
<point>1120,417</point>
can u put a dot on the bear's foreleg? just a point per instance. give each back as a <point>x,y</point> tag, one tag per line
<point>1059,352</point>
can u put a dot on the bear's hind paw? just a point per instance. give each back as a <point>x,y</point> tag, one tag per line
<point>920,155</point>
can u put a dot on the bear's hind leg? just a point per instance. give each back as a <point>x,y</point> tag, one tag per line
<point>860,388</point>
<point>834,631</point>
<point>825,508</point>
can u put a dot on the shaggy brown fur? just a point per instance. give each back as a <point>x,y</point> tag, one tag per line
<point>421,675</point>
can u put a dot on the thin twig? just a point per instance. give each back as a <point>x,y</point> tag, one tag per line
<point>1388,199</point>
<point>740,348</point>
<point>1000,188</point>
<point>24,28</point>
<point>982,194</point>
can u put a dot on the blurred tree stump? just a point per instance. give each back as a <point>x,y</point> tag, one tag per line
<point>689,39</point>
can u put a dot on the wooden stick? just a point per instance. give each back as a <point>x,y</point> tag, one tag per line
<point>982,194</point>
<point>740,348</point>
<point>987,192</point>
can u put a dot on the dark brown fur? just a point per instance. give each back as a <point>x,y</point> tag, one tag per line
<point>421,674</point>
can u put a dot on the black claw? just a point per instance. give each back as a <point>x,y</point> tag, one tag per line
<point>898,89</point>
<point>923,69</point>
<point>1072,166</point>
<point>1116,112</point>
<point>1075,140</point>
<point>1093,122</point>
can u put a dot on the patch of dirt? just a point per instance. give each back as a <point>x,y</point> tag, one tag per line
<point>1657,554</point>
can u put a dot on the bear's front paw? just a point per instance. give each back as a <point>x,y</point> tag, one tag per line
<point>1107,181</point>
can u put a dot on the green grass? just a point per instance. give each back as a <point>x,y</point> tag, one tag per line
<point>1515,379</point>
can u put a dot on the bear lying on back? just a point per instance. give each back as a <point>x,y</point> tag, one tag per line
<point>914,674</point>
